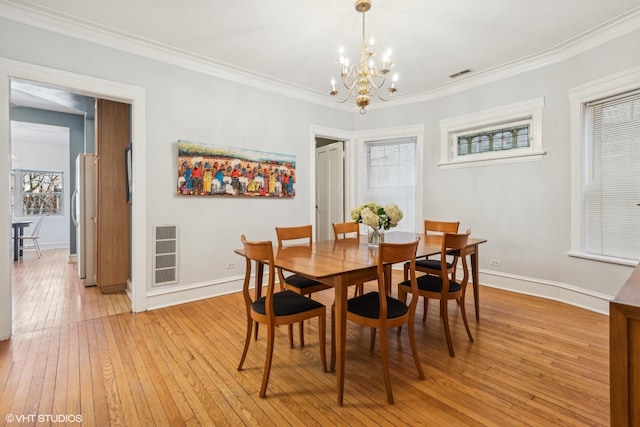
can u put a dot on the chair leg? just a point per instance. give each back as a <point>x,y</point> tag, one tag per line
<point>464,319</point>
<point>267,362</point>
<point>385,364</point>
<point>322,320</point>
<point>414,348</point>
<point>406,272</point>
<point>425,309</point>
<point>246,342</point>
<point>402,296</point>
<point>445,322</point>
<point>333,338</point>
<point>290,328</point>
<point>372,343</point>
<point>37,246</point>
<point>302,334</point>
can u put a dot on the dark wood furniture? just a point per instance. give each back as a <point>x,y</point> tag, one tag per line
<point>18,231</point>
<point>624,353</point>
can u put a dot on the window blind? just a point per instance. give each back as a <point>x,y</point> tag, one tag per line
<point>391,177</point>
<point>612,190</point>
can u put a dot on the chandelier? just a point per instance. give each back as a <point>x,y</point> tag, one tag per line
<point>364,80</point>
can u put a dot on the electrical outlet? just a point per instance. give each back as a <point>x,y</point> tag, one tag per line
<point>494,261</point>
<point>231,265</point>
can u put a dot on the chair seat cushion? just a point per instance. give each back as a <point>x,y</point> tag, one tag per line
<point>286,303</point>
<point>432,264</point>
<point>431,283</point>
<point>300,282</point>
<point>368,305</point>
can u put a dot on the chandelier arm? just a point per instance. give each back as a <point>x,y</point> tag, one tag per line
<point>342,101</point>
<point>345,78</point>
<point>378,86</point>
<point>380,97</point>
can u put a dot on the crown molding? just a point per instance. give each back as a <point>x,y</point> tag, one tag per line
<point>47,19</point>
<point>604,33</point>
<point>94,33</point>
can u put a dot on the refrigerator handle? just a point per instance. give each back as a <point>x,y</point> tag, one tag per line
<point>74,200</point>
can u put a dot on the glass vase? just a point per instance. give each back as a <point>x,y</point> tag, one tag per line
<point>375,236</point>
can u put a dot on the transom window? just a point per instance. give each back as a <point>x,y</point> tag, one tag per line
<point>504,134</point>
<point>37,192</point>
<point>494,140</point>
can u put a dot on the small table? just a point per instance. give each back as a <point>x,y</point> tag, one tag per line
<point>18,231</point>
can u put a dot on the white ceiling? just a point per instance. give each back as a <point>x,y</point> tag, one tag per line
<point>296,42</point>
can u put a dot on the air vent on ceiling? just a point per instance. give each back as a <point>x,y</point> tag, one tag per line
<point>460,73</point>
<point>165,254</point>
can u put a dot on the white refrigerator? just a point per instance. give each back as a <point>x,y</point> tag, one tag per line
<point>82,212</point>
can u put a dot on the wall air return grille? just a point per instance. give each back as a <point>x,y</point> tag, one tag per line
<point>165,254</point>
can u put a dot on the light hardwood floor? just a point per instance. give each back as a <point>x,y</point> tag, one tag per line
<point>534,362</point>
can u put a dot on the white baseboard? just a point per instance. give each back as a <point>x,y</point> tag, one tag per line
<point>159,297</point>
<point>556,291</point>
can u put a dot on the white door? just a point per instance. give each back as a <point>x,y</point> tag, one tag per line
<point>329,189</point>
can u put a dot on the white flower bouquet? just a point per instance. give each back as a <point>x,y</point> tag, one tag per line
<point>376,217</point>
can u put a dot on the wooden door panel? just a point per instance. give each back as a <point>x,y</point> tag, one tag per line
<point>113,212</point>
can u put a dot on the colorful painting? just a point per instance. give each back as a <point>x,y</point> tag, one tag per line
<point>207,170</point>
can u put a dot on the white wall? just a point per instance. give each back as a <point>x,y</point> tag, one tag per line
<point>523,209</point>
<point>183,104</point>
<point>45,147</point>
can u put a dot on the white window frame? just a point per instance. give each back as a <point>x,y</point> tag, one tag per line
<point>19,193</point>
<point>526,112</point>
<point>361,137</point>
<point>579,96</point>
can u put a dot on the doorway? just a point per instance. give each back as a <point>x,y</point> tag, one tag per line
<point>329,186</point>
<point>86,85</point>
<point>331,169</point>
<point>59,297</point>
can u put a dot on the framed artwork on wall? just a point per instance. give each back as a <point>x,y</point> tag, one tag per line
<point>209,170</point>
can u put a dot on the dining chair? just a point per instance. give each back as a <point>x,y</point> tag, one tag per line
<point>33,237</point>
<point>296,283</point>
<point>348,230</point>
<point>345,230</point>
<point>443,288</point>
<point>432,266</point>
<point>284,307</point>
<point>380,311</point>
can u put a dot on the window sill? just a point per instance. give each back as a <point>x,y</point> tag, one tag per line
<point>485,161</point>
<point>600,258</point>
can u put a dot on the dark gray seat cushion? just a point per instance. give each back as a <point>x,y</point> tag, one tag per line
<point>368,305</point>
<point>286,303</point>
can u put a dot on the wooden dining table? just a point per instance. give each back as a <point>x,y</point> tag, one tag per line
<point>345,262</point>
